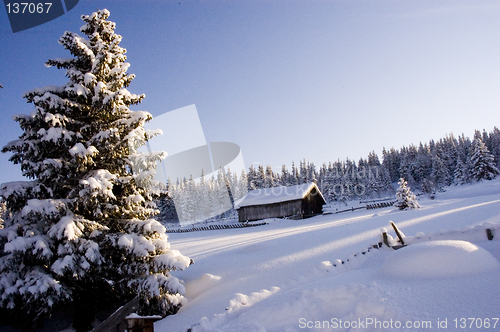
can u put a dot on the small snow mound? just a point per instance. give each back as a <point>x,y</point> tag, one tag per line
<point>135,315</point>
<point>241,300</point>
<point>325,266</point>
<point>375,215</point>
<point>489,225</point>
<point>337,262</point>
<point>419,235</point>
<point>438,259</point>
<point>198,286</point>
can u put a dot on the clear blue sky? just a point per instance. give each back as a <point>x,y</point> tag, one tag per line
<point>287,80</point>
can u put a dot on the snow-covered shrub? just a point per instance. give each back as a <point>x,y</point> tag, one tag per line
<point>405,199</point>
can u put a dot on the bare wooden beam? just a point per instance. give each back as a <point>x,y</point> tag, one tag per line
<point>118,317</point>
<point>398,233</point>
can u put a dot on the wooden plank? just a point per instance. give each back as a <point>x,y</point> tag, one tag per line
<point>118,317</point>
<point>385,239</point>
<point>398,233</point>
<point>275,210</point>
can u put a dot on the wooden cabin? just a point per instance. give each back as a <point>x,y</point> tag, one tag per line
<point>298,202</point>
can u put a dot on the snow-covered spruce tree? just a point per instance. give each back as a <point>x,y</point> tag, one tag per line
<point>242,185</point>
<point>81,229</point>
<point>495,145</point>
<point>165,204</point>
<point>269,181</point>
<point>4,213</point>
<point>440,174</point>
<point>483,163</point>
<point>191,199</point>
<point>461,173</point>
<point>405,199</point>
<point>428,187</point>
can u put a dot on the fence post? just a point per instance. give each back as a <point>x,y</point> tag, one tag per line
<point>386,240</point>
<point>398,233</point>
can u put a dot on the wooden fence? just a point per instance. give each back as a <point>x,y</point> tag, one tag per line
<point>380,205</point>
<point>490,234</point>
<point>116,322</point>
<point>214,227</point>
<point>368,207</point>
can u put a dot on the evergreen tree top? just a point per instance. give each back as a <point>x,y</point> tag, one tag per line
<point>90,113</point>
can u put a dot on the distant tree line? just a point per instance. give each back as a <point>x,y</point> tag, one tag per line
<point>437,164</point>
<point>428,167</point>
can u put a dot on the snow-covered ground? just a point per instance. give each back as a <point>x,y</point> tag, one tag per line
<point>288,275</point>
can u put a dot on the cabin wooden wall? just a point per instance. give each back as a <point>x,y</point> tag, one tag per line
<point>312,204</point>
<point>276,210</point>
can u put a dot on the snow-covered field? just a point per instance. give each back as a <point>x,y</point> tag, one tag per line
<point>282,276</point>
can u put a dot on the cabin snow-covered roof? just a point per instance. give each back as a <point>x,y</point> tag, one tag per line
<point>276,195</point>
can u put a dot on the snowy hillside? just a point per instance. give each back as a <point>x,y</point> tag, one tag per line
<point>288,275</point>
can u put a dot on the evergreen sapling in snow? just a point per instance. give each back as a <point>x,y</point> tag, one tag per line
<point>81,229</point>
<point>405,199</point>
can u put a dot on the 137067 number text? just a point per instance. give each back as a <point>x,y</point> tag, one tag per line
<point>28,7</point>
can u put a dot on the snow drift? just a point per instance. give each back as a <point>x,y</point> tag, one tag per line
<point>438,259</point>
